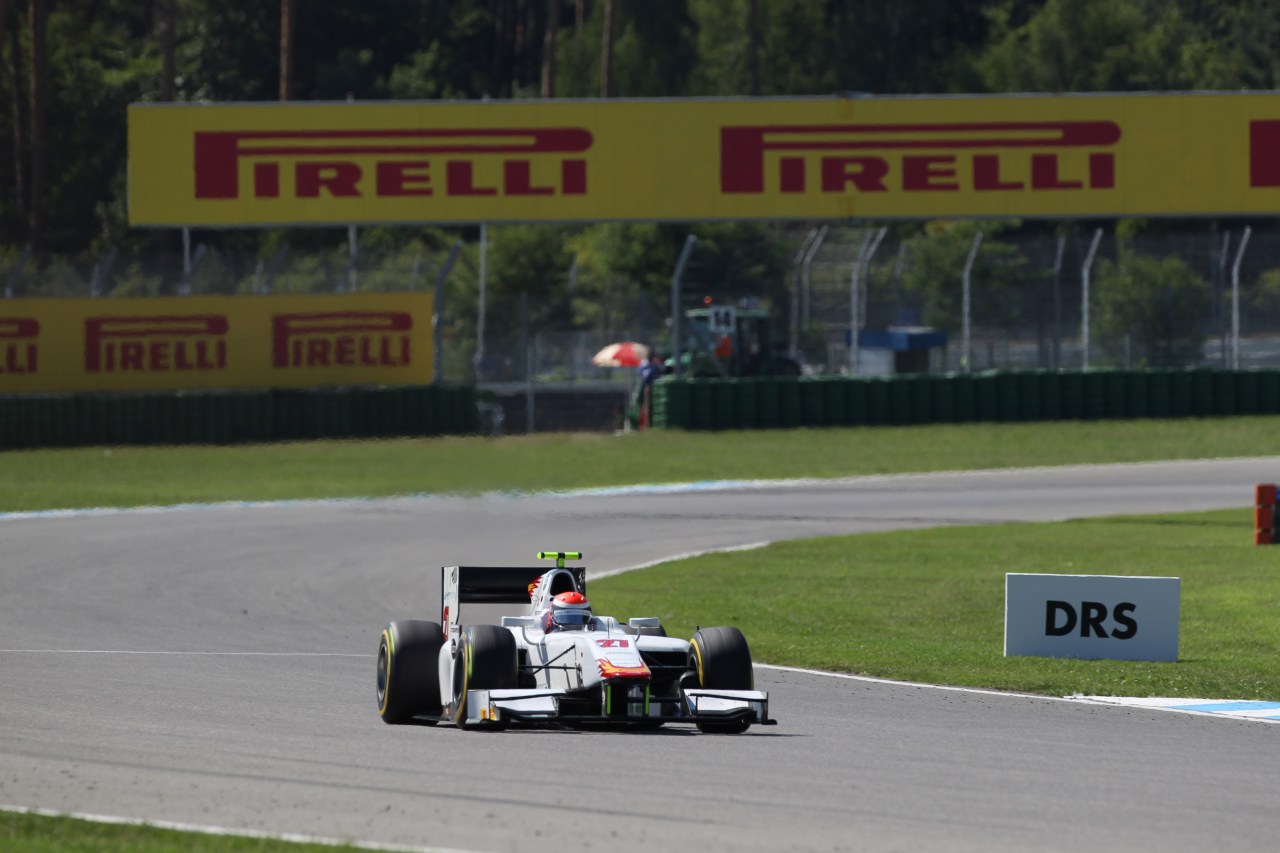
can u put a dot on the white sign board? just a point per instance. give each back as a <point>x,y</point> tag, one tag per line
<point>723,320</point>
<point>1091,617</point>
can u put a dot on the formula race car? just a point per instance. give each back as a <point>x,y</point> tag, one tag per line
<point>557,662</point>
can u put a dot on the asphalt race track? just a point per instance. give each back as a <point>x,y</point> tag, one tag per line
<point>214,666</point>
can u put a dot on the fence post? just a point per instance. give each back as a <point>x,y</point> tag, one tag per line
<point>1057,301</point>
<point>808,263</point>
<point>794,320</point>
<point>677,342</point>
<point>484,271</point>
<point>437,331</point>
<point>865,278</point>
<point>966,352</point>
<point>528,361</point>
<point>102,271</point>
<point>16,272</point>
<point>353,255</point>
<point>189,269</point>
<point>1219,290</point>
<point>1084,299</point>
<point>855,282</point>
<point>1235,298</point>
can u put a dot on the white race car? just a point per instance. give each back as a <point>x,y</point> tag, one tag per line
<point>557,662</point>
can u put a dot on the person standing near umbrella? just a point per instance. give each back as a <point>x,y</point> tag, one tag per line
<point>649,372</point>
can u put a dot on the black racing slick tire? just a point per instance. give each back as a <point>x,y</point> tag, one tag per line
<point>487,661</point>
<point>408,671</point>
<point>723,662</point>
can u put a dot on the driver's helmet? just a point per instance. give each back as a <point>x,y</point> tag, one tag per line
<point>570,611</point>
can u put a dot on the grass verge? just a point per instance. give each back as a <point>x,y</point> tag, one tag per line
<point>929,605</point>
<point>32,833</point>
<point>131,476</point>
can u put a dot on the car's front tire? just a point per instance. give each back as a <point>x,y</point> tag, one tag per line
<point>487,660</point>
<point>408,684</point>
<point>723,662</point>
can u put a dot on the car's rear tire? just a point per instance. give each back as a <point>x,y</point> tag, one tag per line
<point>408,681</point>
<point>723,662</point>
<point>487,660</point>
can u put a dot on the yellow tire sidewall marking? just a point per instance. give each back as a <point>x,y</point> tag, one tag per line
<point>460,706</point>
<point>386,692</point>
<point>697,653</point>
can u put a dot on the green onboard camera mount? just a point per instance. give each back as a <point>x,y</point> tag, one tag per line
<point>559,556</point>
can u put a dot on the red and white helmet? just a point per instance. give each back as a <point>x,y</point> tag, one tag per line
<point>570,611</point>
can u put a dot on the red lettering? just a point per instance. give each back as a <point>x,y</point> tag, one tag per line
<point>927,172</point>
<point>344,352</point>
<point>218,154</point>
<point>327,339</point>
<point>131,356</point>
<point>573,177</point>
<point>17,328</point>
<point>1102,171</point>
<point>747,152</point>
<point>158,355</point>
<point>1044,174</point>
<point>517,179</point>
<point>13,361</point>
<point>403,177</point>
<point>1264,153</point>
<point>986,174</point>
<point>102,352</point>
<point>459,179</point>
<point>318,352</point>
<point>202,356</point>
<point>865,173</point>
<point>266,180</point>
<point>792,174</point>
<point>340,179</point>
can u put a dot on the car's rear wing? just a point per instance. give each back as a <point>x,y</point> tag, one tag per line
<point>497,585</point>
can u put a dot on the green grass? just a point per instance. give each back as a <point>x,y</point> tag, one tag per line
<point>42,834</point>
<point>929,605</point>
<point>127,476</point>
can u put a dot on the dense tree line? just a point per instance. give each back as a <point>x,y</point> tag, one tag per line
<point>69,68</point>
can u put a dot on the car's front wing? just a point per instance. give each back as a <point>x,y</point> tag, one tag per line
<point>486,707</point>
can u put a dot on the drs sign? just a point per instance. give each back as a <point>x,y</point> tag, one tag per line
<point>1091,617</point>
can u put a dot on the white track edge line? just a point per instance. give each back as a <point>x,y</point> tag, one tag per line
<point>1009,694</point>
<point>202,829</point>
<point>688,555</point>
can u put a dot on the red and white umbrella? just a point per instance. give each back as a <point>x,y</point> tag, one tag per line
<point>624,354</point>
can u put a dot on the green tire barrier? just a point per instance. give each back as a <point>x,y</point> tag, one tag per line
<point>994,396</point>
<point>237,417</point>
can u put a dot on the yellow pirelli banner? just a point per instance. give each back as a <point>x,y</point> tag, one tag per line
<point>215,342</point>
<point>691,159</point>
